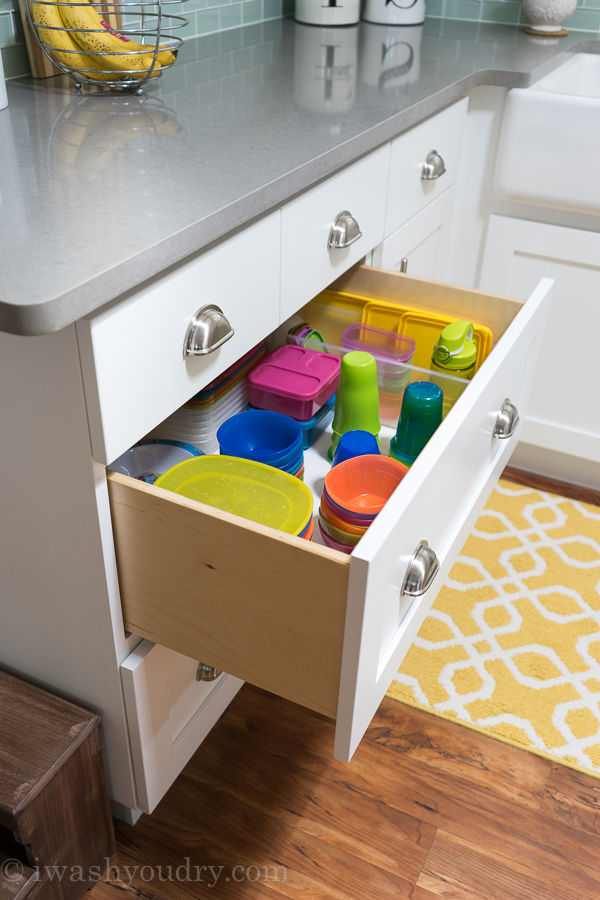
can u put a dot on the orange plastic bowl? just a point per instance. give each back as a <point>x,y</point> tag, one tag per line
<point>363,484</point>
<point>330,516</point>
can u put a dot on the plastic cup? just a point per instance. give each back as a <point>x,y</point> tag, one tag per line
<point>421,413</point>
<point>355,443</point>
<point>357,397</point>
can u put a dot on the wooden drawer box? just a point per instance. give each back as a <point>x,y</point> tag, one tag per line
<point>303,621</point>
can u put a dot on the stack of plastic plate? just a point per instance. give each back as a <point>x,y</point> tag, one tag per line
<point>267,437</point>
<point>356,490</point>
<point>197,421</point>
<point>247,488</point>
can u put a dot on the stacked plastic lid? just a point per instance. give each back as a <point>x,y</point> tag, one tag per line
<point>197,421</point>
<point>266,437</point>
<point>246,488</point>
<point>356,490</point>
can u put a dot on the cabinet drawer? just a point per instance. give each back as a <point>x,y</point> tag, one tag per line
<point>169,713</point>
<point>408,191</point>
<point>313,625</point>
<point>307,264</point>
<point>134,370</point>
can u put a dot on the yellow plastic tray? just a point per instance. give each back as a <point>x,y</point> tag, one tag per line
<point>423,327</point>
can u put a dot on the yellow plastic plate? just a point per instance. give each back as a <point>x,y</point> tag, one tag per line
<point>244,487</point>
<point>423,327</point>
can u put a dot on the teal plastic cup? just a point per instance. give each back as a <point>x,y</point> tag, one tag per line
<point>357,397</point>
<point>420,415</point>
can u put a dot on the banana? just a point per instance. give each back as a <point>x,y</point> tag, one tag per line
<point>93,35</point>
<point>46,14</point>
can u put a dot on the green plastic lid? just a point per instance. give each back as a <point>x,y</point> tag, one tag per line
<point>455,348</point>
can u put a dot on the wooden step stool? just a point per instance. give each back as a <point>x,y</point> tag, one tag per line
<point>56,831</point>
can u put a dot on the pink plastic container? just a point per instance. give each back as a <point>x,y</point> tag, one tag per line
<point>294,381</point>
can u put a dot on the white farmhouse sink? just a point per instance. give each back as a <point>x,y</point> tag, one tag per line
<point>550,139</point>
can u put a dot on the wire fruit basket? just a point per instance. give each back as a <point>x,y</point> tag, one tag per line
<point>118,45</point>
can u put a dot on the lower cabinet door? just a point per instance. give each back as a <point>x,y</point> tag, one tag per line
<point>307,622</point>
<point>420,246</point>
<point>517,254</point>
<point>169,713</point>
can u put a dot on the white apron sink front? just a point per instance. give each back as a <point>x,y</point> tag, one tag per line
<point>548,148</point>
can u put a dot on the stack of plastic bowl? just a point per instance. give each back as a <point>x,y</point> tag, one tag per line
<point>356,490</point>
<point>266,437</point>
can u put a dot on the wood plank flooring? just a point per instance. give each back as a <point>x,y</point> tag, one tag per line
<point>426,810</point>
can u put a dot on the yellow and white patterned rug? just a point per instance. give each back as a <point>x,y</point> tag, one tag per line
<point>511,647</point>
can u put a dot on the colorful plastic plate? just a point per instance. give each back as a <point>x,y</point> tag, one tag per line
<point>151,457</point>
<point>244,487</point>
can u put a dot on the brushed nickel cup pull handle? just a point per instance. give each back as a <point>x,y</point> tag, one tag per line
<point>208,329</point>
<point>422,569</point>
<point>207,673</point>
<point>433,167</point>
<point>507,421</point>
<point>344,231</point>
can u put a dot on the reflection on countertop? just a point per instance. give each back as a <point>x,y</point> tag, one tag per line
<point>245,120</point>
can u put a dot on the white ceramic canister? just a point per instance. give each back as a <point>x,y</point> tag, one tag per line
<point>328,13</point>
<point>325,68</point>
<point>547,16</point>
<point>390,55</point>
<point>395,12</point>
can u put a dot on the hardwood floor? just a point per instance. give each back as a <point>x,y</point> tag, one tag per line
<point>426,810</point>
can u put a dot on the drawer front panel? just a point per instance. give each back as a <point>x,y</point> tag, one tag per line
<point>408,192</point>
<point>307,265</point>
<point>289,615</point>
<point>169,713</point>
<point>134,371</point>
<point>439,502</point>
<point>424,241</point>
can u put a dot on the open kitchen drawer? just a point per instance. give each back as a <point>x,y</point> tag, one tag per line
<point>318,627</point>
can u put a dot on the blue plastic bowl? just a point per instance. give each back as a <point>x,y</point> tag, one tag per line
<point>262,435</point>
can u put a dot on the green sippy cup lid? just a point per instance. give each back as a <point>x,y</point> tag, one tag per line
<point>455,348</point>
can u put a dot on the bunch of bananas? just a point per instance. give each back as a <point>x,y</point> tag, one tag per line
<point>90,46</point>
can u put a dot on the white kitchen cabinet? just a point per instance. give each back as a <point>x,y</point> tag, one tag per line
<point>303,621</point>
<point>420,246</point>
<point>169,712</point>
<point>562,428</point>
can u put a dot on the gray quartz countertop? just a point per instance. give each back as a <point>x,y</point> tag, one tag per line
<point>100,193</point>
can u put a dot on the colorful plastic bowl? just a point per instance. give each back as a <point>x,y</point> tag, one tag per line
<point>363,485</point>
<point>360,519</point>
<point>264,436</point>
<point>327,513</point>
<point>336,534</point>
<point>335,545</point>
